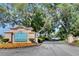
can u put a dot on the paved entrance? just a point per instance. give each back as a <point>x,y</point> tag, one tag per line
<point>48,48</point>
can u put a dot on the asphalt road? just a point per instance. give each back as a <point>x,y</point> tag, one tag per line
<point>48,48</point>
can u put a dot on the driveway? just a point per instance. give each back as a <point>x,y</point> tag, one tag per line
<point>48,48</point>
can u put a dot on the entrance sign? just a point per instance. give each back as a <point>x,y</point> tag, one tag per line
<point>20,37</point>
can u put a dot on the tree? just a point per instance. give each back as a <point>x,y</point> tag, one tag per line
<point>65,15</point>
<point>69,19</point>
<point>12,14</point>
<point>37,21</point>
<point>35,17</point>
<point>43,18</point>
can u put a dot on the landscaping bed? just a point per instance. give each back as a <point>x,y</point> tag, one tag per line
<point>15,45</point>
<point>75,43</point>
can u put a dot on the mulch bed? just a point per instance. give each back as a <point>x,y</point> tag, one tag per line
<point>15,45</point>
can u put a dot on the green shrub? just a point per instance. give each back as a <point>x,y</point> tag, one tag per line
<point>1,37</point>
<point>42,38</point>
<point>62,39</point>
<point>5,40</point>
<point>46,38</point>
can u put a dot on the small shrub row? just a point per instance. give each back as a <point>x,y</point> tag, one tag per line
<point>5,40</point>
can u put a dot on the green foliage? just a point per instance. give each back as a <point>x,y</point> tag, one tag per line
<point>68,15</point>
<point>2,10</point>
<point>19,6</point>
<point>62,34</point>
<point>1,36</point>
<point>37,21</point>
<point>43,17</point>
<point>5,40</point>
<point>75,43</point>
<point>75,28</point>
<point>41,39</point>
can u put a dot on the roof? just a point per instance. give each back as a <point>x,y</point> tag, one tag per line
<point>17,27</point>
<point>23,27</point>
